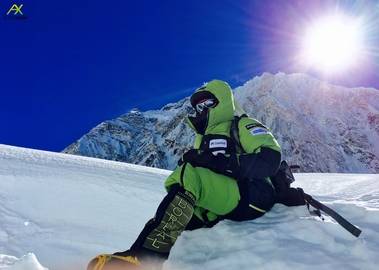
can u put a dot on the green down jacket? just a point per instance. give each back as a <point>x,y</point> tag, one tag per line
<point>217,194</point>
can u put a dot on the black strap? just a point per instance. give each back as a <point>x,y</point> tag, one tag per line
<point>337,217</point>
<point>182,174</point>
<point>234,133</point>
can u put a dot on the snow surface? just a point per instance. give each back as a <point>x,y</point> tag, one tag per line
<point>64,209</point>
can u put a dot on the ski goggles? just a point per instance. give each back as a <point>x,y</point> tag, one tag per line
<point>204,104</point>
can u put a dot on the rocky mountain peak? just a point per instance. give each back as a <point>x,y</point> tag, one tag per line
<point>321,127</point>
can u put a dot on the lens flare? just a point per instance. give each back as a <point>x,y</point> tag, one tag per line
<point>333,44</point>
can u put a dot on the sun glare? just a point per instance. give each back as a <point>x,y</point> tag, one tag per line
<point>333,43</point>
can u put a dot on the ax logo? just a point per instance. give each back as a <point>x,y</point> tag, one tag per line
<point>15,11</point>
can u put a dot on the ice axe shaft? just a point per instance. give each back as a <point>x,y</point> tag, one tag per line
<point>354,230</point>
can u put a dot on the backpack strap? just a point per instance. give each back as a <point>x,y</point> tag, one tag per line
<point>234,133</point>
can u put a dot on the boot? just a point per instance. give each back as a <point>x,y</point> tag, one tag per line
<point>127,260</point>
<point>114,262</point>
<point>154,243</point>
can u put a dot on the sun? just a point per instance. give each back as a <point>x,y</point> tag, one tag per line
<point>333,43</point>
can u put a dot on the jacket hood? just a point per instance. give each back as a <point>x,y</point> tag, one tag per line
<point>224,110</point>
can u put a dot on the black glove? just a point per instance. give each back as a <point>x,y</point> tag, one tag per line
<point>189,156</point>
<point>292,197</point>
<point>220,163</point>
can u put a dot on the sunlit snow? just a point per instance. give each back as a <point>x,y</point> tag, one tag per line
<point>58,210</point>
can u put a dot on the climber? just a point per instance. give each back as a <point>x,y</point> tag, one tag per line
<point>225,176</point>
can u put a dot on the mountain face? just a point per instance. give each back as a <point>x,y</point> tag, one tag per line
<point>321,127</point>
<point>153,138</point>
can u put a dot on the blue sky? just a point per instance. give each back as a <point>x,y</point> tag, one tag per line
<point>73,64</point>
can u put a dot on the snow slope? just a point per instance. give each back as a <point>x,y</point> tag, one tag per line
<point>64,209</point>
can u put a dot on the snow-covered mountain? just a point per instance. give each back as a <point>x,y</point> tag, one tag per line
<point>59,210</point>
<point>321,127</point>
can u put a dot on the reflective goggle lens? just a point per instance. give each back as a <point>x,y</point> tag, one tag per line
<point>208,103</point>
